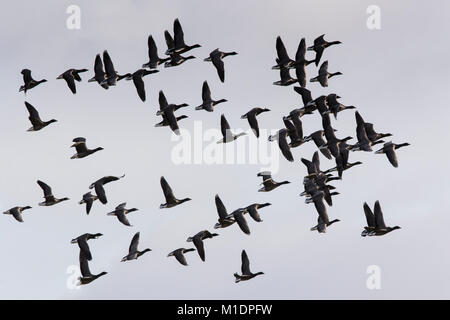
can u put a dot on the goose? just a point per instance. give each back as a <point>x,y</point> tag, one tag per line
<point>81,148</point>
<point>111,75</point>
<point>319,46</point>
<point>170,119</point>
<point>389,150</point>
<point>164,105</point>
<point>207,103</point>
<point>321,226</point>
<point>133,252</point>
<point>35,119</point>
<point>99,73</point>
<point>50,200</point>
<point>16,212</point>
<point>320,104</point>
<point>153,59</point>
<point>86,275</point>
<point>238,216</point>
<point>171,201</point>
<point>317,198</point>
<point>88,199</point>
<point>251,117</point>
<point>298,113</point>
<point>179,255</point>
<point>317,137</point>
<point>284,146</point>
<point>224,219</point>
<point>245,269</point>
<point>198,238</point>
<point>83,245</point>
<point>334,106</point>
<point>300,63</point>
<point>332,141</point>
<point>70,76</point>
<point>286,79</point>
<point>176,59</point>
<point>364,143</point>
<point>228,136</point>
<point>216,57</point>
<point>169,41</point>
<point>324,75</point>
<point>120,212</point>
<point>165,122</point>
<point>343,167</point>
<point>313,167</point>
<point>98,186</point>
<point>308,102</point>
<point>375,222</point>
<point>372,134</point>
<point>253,210</point>
<point>268,183</point>
<point>321,180</point>
<point>29,82</point>
<point>138,81</point>
<point>179,46</point>
<point>283,59</point>
<point>295,131</point>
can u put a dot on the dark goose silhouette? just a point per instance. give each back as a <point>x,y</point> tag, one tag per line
<point>228,136</point>
<point>268,183</point>
<point>300,63</point>
<point>372,134</point>
<point>70,76</point>
<point>16,212</point>
<point>165,122</point>
<point>83,245</point>
<point>120,212</point>
<point>179,255</point>
<point>48,195</point>
<point>171,201</point>
<point>286,79</point>
<point>317,198</point>
<point>225,220</point>
<point>28,81</point>
<point>364,143</point>
<point>81,148</point>
<point>153,59</point>
<point>389,150</point>
<point>208,103</point>
<point>319,46</point>
<point>133,252</point>
<point>253,210</point>
<point>176,59</point>
<point>324,75</point>
<point>98,186</point>
<point>164,105</point>
<point>179,46</point>
<point>245,269</point>
<point>35,119</point>
<point>313,167</point>
<point>332,141</point>
<point>86,275</point>
<point>283,59</point>
<point>334,106</point>
<point>88,199</point>
<point>294,130</point>
<point>251,117</point>
<point>321,226</point>
<point>319,141</point>
<point>111,75</point>
<point>198,238</point>
<point>238,216</point>
<point>284,146</point>
<point>99,73</point>
<point>375,222</point>
<point>216,57</point>
<point>138,81</point>
<point>308,102</point>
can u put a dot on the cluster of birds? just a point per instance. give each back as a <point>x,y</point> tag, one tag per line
<point>316,186</point>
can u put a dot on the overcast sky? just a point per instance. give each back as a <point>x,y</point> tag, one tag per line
<point>397,77</point>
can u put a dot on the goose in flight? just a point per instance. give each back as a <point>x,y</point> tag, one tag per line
<point>285,78</point>
<point>228,136</point>
<point>176,59</point>
<point>82,242</point>
<point>48,195</point>
<point>301,62</point>
<point>216,57</point>
<point>99,73</point>
<point>179,255</point>
<point>88,199</point>
<point>16,212</point>
<point>245,269</point>
<point>283,60</point>
<point>70,76</point>
<point>251,117</point>
<point>86,275</point>
<point>138,81</point>
<point>389,150</point>
<point>120,212</point>
<point>171,201</point>
<point>364,143</point>
<point>154,59</point>
<point>335,106</point>
<point>28,81</point>
<point>35,119</point>
<point>324,75</point>
<point>321,226</point>
<point>253,210</point>
<point>372,134</point>
<point>313,167</point>
<point>225,220</point>
<point>111,75</point>
<point>198,238</point>
<point>238,216</point>
<point>165,106</point>
<point>98,186</point>
<point>319,46</point>
<point>133,252</point>
<point>177,45</point>
<point>375,222</point>
<point>268,183</point>
<point>319,141</point>
<point>207,102</point>
<point>82,151</point>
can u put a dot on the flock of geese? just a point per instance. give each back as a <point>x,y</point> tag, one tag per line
<point>316,187</point>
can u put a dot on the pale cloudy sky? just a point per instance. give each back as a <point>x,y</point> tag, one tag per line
<point>397,77</point>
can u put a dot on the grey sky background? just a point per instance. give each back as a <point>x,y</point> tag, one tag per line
<point>397,77</point>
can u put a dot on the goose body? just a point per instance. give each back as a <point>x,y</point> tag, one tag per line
<point>16,212</point>
<point>320,44</point>
<point>389,149</point>
<point>50,200</point>
<point>28,81</point>
<point>98,186</point>
<point>88,199</point>
<point>251,118</point>
<point>324,75</point>
<point>86,275</point>
<point>99,73</point>
<point>35,119</point>
<point>154,59</point>
<point>70,76</point>
<point>177,45</point>
<point>82,151</point>
<point>285,78</point>
<point>375,221</point>
<point>216,57</point>
<point>120,212</point>
<point>179,255</point>
<point>228,136</point>
<point>82,242</point>
<point>245,269</point>
<point>198,238</point>
<point>139,82</point>
<point>207,102</point>
<point>171,200</point>
<point>268,183</point>
<point>133,252</point>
